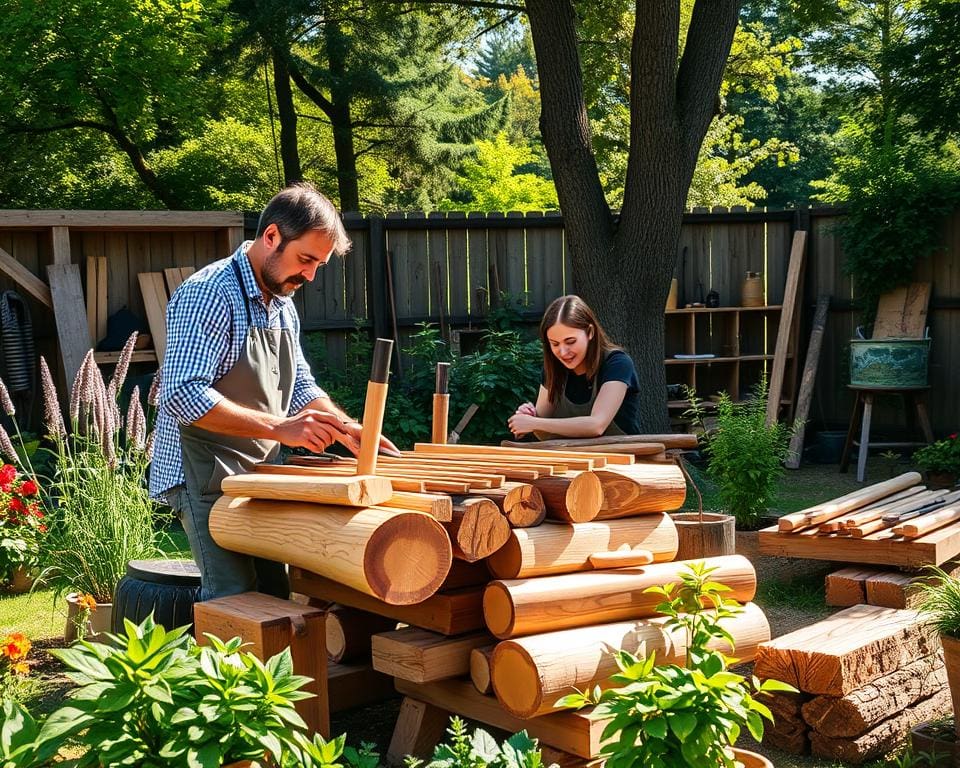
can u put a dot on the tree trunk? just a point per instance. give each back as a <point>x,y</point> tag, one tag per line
<point>289,151</point>
<point>340,119</point>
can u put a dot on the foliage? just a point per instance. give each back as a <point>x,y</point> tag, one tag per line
<point>746,454</point>
<point>481,750</point>
<point>100,513</point>
<point>940,601</point>
<point>675,716</point>
<point>21,529</point>
<point>490,182</point>
<point>14,647</point>
<point>941,456</point>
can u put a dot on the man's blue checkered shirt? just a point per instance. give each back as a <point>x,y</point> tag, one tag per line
<point>206,329</point>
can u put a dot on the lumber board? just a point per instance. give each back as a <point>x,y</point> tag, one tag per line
<point>73,334</point>
<point>398,556</point>
<point>893,589</point>
<point>929,522</point>
<point>175,277</point>
<point>293,467</point>
<point>422,656</point>
<point>560,464</point>
<point>450,613</point>
<point>902,312</point>
<point>788,316</point>
<point>595,460</point>
<point>353,491</point>
<point>807,380</point>
<point>154,292</point>
<point>120,220</point>
<point>357,685</point>
<point>882,548</point>
<point>25,279</point>
<point>847,586</point>
<point>438,506</point>
<point>670,440</point>
<point>847,650</point>
<point>885,736</point>
<point>554,548</point>
<point>828,510</point>
<point>865,708</point>
<point>420,727</point>
<point>517,607</point>
<point>97,298</point>
<point>910,498</point>
<point>574,732</point>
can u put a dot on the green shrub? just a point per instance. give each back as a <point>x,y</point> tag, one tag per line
<point>746,455</point>
<point>481,750</point>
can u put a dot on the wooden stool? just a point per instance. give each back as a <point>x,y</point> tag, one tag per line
<point>270,624</point>
<point>864,400</point>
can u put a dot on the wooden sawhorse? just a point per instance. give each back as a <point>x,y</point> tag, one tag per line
<point>864,402</point>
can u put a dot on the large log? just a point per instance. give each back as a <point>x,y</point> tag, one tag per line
<point>670,440</point>
<point>349,631</point>
<point>885,736</point>
<point>846,650</point>
<point>708,535</point>
<point>573,498</point>
<point>514,608</point>
<point>530,674</point>
<point>420,656</point>
<point>640,489</point>
<point>449,613</point>
<point>865,708</point>
<point>522,503</point>
<point>355,491</point>
<point>555,548</point>
<point>399,557</point>
<point>828,510</point>
<point>478,529</point>
<point>789,731</point>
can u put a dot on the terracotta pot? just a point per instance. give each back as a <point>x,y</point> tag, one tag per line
<point>941,479</point>
<point>21,580</point>
<point>951,660</point>
<point>97,624</point>
<point>940,752</point>
<point>751,759</point>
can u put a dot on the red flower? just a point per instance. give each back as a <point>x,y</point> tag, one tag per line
<point>34,511</point>
<point>42,528</point>
<point>16,506</point>
<point>953,436</point>
<point>28,488</point>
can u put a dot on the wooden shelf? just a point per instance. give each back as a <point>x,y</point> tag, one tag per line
<point>139,356</point>
<point>708,310</point>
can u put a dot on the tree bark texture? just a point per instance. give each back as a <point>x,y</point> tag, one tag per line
<point>289,152</point>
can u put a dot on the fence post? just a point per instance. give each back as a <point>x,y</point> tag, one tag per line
<point>377,278</point>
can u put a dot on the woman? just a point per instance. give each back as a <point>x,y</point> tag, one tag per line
<point>589,386</point>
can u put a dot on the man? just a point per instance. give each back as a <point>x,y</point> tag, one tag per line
<point>235,384</point>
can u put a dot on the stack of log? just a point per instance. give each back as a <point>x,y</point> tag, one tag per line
<point>866,675</point>
<point>897,522</point>
<point>877,586</point>
<point>570,538</point>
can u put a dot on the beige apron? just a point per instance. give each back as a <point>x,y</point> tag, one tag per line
<point>567,409</point>
<point>262,379</point>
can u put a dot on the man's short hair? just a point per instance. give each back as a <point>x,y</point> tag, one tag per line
<point>298,208</point>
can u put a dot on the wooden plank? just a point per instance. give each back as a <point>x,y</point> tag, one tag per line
<point>669,440</point>
<point>97,298</point>
<point>155,303</point>
<point>806,383</point>
<point>847,650</point>
<point>174,276</point>
<point>478,289</point>
<point>787,313</point>
<point>893,589</point>
<point>420,727</point>
<point>73,335</point>
<point>60,237</point>
<point>902,312</point>
<point>139,356</point>
<point>846,587</point>
<point>449,613</point>
<point>25,279</point>
<point>574,732</point>
<point>120,219</point>
<point>420,656</point>
<point>353,491</point>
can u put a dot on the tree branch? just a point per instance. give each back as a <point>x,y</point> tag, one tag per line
<point>307,88</point>
<point>489,4</point>
<point>39,129</point>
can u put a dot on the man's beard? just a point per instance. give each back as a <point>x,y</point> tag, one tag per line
<point>275,281</point>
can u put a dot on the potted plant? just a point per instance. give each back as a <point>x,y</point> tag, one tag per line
<point>100,513</point>
<point>675,716</point>
<point>940,461</point>
<point>22,526</point>
<point>940,602</point>
<point>745,455</point>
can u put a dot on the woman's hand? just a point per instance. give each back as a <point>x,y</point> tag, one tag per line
<point>528,408</point>
<point>521,423</point>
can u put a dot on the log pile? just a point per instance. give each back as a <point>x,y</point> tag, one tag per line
<point>898,522</point>
<point>520,569</point>
<point>866,675</point>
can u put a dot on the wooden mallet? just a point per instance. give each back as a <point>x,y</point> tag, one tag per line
<point>441,404</point>
<point>373,407</point>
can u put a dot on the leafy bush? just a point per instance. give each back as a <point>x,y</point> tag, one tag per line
<point>941,456</point>
<point>746,455</point>
<point>481,750</point>
<point>673,716</point>
<point>940,601</point>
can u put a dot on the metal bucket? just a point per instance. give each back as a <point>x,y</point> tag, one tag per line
<point>894,363</point>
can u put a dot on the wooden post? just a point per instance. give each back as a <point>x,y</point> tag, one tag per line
<point>441,404</point>
<point>794,273</point>
<point>377,277</point>
<point>373,407</point>
<point>807,382</point>
<point>420,727</point>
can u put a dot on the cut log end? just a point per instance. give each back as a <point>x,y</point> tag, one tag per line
<point>407,559</point>
<point>498,610</point>
<point>480,668</point>
<point>524,506</point>
<point>478,529</point>
<point>515,681</point>
<point>584,497</point>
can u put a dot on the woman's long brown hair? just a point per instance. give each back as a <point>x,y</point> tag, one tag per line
<point>574,312</point>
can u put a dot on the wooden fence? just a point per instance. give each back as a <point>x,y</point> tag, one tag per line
<point>449,269</point>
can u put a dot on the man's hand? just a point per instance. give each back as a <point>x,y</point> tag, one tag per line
<point>316,431</point>
<point>355,429</point>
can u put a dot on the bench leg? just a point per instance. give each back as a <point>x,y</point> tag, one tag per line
<point>920,401</point>
<point>864,436</point>
<point>851,431</point>
<point>420,727</point>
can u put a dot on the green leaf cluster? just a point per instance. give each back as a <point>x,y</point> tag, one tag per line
<point>940,601</point>
<point>941,456</point>
<point>671,716</point>
<point>746,454</point>
<point>153,698</point>
<point>480,750</point>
